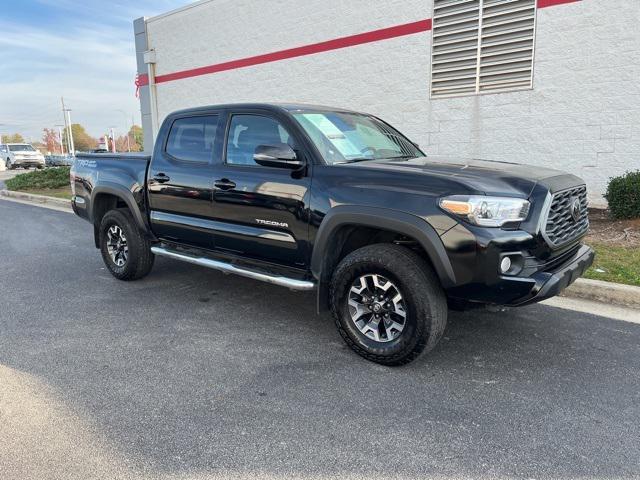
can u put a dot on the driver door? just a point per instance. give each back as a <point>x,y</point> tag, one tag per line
<point>262,211</point>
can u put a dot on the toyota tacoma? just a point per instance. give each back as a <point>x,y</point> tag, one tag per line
<point>325,199</point>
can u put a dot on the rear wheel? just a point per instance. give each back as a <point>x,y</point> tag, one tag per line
<point>125,250</point>
<point>388,304</point>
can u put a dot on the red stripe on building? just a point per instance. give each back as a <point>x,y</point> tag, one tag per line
<point>338,43</point>
<point>552,3</point>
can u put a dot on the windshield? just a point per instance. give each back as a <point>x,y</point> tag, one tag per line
<point>21,148</point>
<point>352,137</point>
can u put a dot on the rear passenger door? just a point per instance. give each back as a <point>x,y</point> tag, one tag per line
<point>180,179</point>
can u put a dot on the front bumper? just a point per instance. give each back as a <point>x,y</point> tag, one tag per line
<point>550,284</point>
<point>517,291</point>
<point>28,162</point>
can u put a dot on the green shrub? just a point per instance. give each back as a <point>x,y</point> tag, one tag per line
<point>40,179</point>
<point>623,195</point>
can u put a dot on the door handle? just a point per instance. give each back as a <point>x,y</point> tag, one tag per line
<point>225,184</point>
<point>161,178</point>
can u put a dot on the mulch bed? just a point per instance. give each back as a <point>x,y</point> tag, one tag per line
<point>607,231</point>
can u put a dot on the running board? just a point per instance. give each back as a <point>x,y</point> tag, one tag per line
<point>224,267</point>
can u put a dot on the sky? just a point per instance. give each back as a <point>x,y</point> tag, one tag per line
<point>82,50</point>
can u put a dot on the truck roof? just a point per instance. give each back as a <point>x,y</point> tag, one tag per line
<point>287,107</point>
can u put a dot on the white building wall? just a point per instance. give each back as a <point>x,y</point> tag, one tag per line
<point>582,115</point>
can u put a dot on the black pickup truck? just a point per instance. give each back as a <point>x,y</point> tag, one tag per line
<point>341,202</point>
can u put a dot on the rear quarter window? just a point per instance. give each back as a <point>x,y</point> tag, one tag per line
<point>192,139</point>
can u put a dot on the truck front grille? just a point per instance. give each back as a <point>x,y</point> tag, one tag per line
<point>568,217</point>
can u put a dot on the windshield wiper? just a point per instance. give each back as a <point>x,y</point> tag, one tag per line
<point>356,160</point>
<point>400,157</point>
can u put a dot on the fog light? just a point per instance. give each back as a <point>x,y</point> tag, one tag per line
<point>505,265</point>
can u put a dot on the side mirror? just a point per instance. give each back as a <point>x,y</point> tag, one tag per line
<point>279,155</point>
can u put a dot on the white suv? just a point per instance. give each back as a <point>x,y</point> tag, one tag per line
<point>21,155</point>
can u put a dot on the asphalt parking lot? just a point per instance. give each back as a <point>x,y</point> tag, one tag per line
<point>192,374</point>
<point>7,174</point>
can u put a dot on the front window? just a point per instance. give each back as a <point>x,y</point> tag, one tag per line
<point>352,137</point>
<point>21,148</point>
<point>247,132</point>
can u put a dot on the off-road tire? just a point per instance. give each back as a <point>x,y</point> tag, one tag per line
<point>426,304</point>
<point>140,258</point>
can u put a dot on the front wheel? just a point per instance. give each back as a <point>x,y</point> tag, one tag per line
<point>388,304</point>
<point>126,251</point>
<point>8,165</point>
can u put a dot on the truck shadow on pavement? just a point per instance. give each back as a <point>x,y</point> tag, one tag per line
<point>190,372</point>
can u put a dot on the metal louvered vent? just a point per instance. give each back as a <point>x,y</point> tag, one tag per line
<point>482,46</point>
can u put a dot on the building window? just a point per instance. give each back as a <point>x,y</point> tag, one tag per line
<point>482,46</point>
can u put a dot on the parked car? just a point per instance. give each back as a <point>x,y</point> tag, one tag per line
<point>59,160</point>
<point>343,203</point>
<point>21,155</point>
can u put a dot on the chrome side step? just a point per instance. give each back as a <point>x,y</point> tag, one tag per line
<point>291,283</point>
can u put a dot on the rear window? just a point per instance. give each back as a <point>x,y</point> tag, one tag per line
<point>192,139</point>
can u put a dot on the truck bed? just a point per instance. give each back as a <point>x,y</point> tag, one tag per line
<point>121,174</point>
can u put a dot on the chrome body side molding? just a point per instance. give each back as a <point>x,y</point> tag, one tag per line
<point>213,226</point>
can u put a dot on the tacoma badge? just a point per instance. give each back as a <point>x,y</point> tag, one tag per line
<point>272,223</point>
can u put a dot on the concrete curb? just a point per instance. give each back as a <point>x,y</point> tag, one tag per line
<point>604,292</point>
<point>38,199</point>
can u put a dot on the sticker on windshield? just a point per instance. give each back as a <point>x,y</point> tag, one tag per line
<point>337,138</point>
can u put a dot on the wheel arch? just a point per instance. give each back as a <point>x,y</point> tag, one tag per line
<point>339,221</point>
<point>107,197</point>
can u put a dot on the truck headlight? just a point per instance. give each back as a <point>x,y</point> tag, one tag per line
<point>486,211</point>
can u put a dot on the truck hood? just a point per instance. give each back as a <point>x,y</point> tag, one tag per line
<point>483,176</point>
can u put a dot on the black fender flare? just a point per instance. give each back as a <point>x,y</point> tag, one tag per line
<point>382,218</point>
<point>123,194</point>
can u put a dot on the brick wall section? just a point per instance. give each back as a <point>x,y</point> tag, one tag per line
<point>583,114</point>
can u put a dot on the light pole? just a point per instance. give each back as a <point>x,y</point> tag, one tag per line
<point>60,137</point>
<point>71,145</point>
<point>67,122</point>
<point>113,140</point>
<point>125,129</point>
